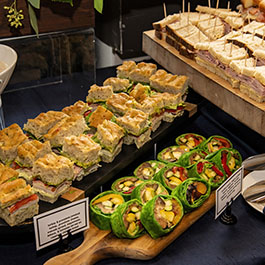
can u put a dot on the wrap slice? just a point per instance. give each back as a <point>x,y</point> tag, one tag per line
<point>103,206</point>
<point>192,157</point>
<point>192,193</point>
<point>191,140</point>
<point>229,159</point>
<point>208,171</point>
<point>148,190</point>
<point>126,185</point>
<point>172,153</point>
<point>171,176</point>
<point>125,221</point>
<point>215,143</point>
<point>147,170</point>
<point>161,215</point>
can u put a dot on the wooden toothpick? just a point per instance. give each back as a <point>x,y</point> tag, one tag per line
<point>165,10</point>
<point>231,48</point>
<point>253,34</point>
<point>180,17</point>
<point>217,4</point>
<point>183,6</point>
<point>188,13</point>
<point>228,5</point>
<point>246,57</point>
<point>209,3</point>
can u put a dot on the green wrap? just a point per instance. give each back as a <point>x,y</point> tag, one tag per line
<point>189,195</point>
<point>216,142</point>
<point>126,185</point>
<point>97,216</point>
<point>229,159</point>
<point>208,171</point>
<point>171,176</point>
<point>172,153</point>
<point>125,221</point>
<point>191,140</point>
<point>147,170</point>
<point>192,157</point>
<point>158,219</point>
<point>147,190</point>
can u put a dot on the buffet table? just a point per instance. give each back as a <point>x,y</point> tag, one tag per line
<point>207,241</point>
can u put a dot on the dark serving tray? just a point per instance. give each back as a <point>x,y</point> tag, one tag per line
<point>92,182</point>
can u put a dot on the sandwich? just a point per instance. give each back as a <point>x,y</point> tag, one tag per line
<point>83,152</point>
<point>53,175</point>
<point>118,84</point>
<point>40,125</point>
<point>71,125</point>
<point>124,69</point>
<point>162,81</point>
<point>110,136</point>
<point>119,103</point>
<point>252,27</point>
<point>27,153</point>
<point>17,201</point>
<point>98,116</point>
<point>80,107</point>
<point>142,72</point>
<point>137,126</point>
<point>98,95</point>
<point>140,92</point>
<point>7,174</point>
<point>10,138</point>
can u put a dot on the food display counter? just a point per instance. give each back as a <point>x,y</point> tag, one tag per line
<point>207,239</point>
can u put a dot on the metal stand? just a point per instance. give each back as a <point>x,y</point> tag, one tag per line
<point>227,217</point>
<point>64,243</point>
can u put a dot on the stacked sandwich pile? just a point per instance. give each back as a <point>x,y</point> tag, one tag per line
<point>59,147</point>
<point>158,193</point>
<point>222,41</point>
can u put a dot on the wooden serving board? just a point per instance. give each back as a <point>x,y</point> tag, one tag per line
<point>206,83</point>
<point>99,244</point>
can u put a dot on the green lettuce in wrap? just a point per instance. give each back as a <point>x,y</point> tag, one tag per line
<point>148,190</point>
<point>191,157</point>
<point>126,185</point>
<point>172,154</point>
<point>191,140</point>
<point>103,206</point>
<point>171,176</point>
<point>208,171</point>
<point>229,159</point>
<point>215,143</point>
<point>161,215</point>
<point>125,221</point>
<point>147,170</point>
<point>192,193</point>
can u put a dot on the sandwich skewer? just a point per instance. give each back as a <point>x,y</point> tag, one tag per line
<point>228,5</point>
<point>165,10</point>
<point>231,49</point>
<point>253,34</point>
<point>246,57</point>
<point>217,4</point>
<point>183,6</point>
<point>209,3</point>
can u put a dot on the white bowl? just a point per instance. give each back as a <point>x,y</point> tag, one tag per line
<point>9,57</point>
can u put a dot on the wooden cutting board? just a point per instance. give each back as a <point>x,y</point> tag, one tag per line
<point>99,244</point>
<point>209,85</point>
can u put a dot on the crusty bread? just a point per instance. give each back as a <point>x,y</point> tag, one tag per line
<point>99,93</point>
<point>20,215</point>
<point>81,148</point>
<point>109,135</point>
<point>79,107</point>
<point>30,151</point>
<point>53,169</point>
<point>142,72</point>
<point>72,125</point>
<point>140,92</point>
<point>119,103</point>
<point>10,138</point>
<point>99,115</point>
<point>124,69</point>
<point>134,121</point>
<point>118,84</point>
<point>7,173</point>
<point>43,123</point>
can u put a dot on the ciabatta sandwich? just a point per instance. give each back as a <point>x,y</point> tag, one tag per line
<point>10,138</point>
<point>118,84</point>
<point>7,174</point>
<point>98,94</point>
<point>124,69</point>
<point>142,72</point>
<point>53,175</point>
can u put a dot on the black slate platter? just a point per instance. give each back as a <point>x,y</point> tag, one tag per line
<point>92,182</point>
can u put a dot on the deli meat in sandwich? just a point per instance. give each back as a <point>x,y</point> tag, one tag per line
<point>17,201</point>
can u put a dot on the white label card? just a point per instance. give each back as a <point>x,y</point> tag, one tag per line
<point>71,217</point>
<point>229,190</point>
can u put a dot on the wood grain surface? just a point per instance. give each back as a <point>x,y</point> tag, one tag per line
<point>209,85</point>
<point>100,244</point>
